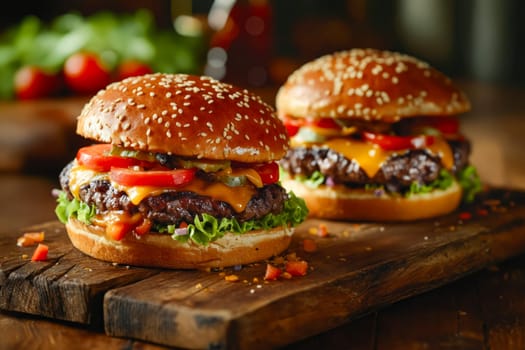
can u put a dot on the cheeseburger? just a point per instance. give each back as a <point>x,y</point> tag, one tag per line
<point>183,175</point>
<point>375,136</point>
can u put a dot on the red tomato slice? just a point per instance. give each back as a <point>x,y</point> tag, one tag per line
<point>269,172</point>
<point>97,157</point>
<point>294,124</point>
<point>291,129</point>
<point>158,178</point>
<point>323,123</point>
<point>392,142</point>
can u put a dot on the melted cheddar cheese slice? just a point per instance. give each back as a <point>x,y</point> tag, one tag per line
<point>371,156</point>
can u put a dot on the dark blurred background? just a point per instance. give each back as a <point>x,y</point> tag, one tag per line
<point>259,42</point>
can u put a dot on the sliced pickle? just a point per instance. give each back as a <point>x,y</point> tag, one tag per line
<point>208,166</point>
<point>132,153</point>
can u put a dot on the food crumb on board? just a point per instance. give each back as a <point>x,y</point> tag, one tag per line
<point>231,278</point>
<point>320,230</point>
<point>309,245</point>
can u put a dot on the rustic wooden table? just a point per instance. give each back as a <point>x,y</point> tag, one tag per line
<point>484,310</point>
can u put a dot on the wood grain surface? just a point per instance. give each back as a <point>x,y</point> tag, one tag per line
<point>357,269</point>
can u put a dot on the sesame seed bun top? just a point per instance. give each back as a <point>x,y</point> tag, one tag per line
<point>368,84</point>
<point>185,115</point>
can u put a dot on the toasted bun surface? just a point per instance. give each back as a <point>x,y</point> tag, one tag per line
<point>341,203</point>
<point>367,84</point>
<point>185,115</point>
<point>160,250</point>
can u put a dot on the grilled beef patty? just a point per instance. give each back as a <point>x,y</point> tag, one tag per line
<point>173,207</point>
<point>396,174</point>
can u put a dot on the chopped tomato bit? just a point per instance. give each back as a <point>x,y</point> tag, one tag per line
<point>465,215</point>
<point>309,245</point>
<point>40,253</point>
<point>483,212</point>
<point>272,273</point>
<point>144,227</point>
<point>297,268</point>
<point>30,238</point>
<point>322,230</point>
<point>117,230</point>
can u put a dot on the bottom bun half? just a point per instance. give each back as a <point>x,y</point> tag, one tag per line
<point>342,203</point>
<point>160,250</point>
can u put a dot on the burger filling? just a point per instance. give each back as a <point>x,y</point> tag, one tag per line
<point>128,191</point>
<point>412,156</point>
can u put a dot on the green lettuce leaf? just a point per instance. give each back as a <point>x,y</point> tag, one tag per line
<point>469,179</point>
<point>67,208</point>
<point>205,228</point>
<point>444,181</point>
<point>313,181</point>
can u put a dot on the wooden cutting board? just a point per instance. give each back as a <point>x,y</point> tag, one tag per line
<point>357,268</point>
